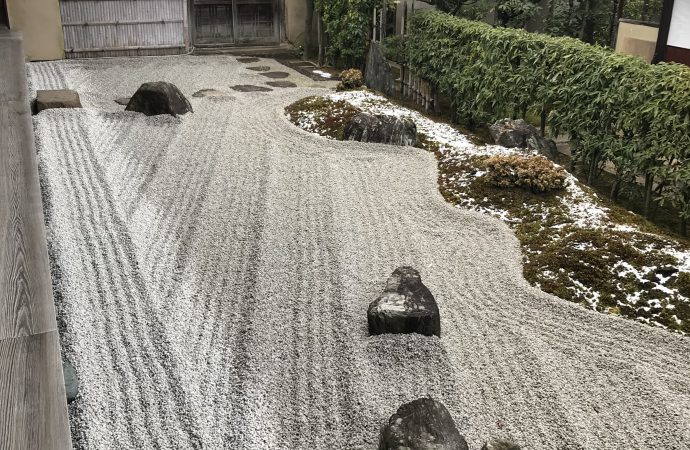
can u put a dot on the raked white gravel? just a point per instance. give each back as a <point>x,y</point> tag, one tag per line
<point>213,273</point>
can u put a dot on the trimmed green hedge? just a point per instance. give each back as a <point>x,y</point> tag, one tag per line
<point>616,107</point>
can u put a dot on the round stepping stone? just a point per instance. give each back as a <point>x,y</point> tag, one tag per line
<point>276,74</point>
<point>209,93</point>
<point>250,88</point>
<point>422,424</point>
<point>248,60</point>
<point>404,306</point>
<point>281,84</point>
<point>259,68</point>
<point>122,100</point>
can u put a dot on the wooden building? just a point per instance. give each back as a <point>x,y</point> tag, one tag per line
<point>55,29</point>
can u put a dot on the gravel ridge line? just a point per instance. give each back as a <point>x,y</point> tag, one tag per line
<point>215,271</point>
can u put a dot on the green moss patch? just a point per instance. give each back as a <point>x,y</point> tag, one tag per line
<point>322,115</point>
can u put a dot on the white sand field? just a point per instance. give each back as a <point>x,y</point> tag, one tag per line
<point>213,273</point>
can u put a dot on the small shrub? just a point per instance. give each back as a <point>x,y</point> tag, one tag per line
<point>350,79</point>
<point>535,173</point>
<point>394,48</point>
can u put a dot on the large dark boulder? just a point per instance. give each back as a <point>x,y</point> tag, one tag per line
<point>159,97</point>
<point>384,129</point>
<point>500,444</point>
<point>405,306</point>
<point>377,73</point>
<point>520,134</point>
<point>71,381</point>
<point>422,424</point>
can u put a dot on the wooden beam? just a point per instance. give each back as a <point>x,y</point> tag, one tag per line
<point>664,27</point>
<point>33,407</point>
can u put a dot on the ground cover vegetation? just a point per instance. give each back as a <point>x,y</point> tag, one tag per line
<point>576,245</point>
<point>618,110</point>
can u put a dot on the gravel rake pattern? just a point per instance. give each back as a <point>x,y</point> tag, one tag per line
<point>215,271</point>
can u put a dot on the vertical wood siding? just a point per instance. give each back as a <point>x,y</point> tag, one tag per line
<point>94,28</point>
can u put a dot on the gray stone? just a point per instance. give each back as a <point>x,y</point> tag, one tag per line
<point>377,73</point>
<point>247,60</point>
<point>159,97</point>
<point>519,134</point>
<point>404,306</point>
<point>250,88</point>
<point>281,84</point>
<point>259,68</point>
<point>71,381</point>
<point>58,98</point>
<point>365,127</point>
<point>209,93</point>
<point>422,424</point>
<point>275,74</point>
<point>122,100</point>
<point>500,444</point>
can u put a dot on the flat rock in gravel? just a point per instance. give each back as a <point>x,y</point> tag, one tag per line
<point>159,97</point>
<point>384,129</point>
<point>122,100</point>
<point>422,424</point>
<point>57,98</point>
<point>405,306</point>
<point>500,444</point>
<point>259,68</point>
<point>276,74</point>
<point>250,88</point>
<point>281,84</point>
<point>209,93</point>
<point>248,60</point>
<point>71,381</point>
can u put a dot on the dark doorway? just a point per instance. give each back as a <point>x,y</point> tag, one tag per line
<point>4,21</point>
<point>218,22</point>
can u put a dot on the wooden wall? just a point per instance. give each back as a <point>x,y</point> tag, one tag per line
<point>33,408</point>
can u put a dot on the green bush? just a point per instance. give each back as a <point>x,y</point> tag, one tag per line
<point>534,173</point>
<point>350,79</point>
<point>616,107</point>
<point>394,48</point>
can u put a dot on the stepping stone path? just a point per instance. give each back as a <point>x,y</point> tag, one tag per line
<point>71,381</point>
<point>250,88</point>
<point>209,93</point>
<point>259,68</point>
<point>159,97</point>
<point>122,100</point>
<point>422,424</point>
<point>405,306</point>
<point>276,74</point>
<point>248,60</point>
<point>500,444</point>
<point>60,98</point>
<point>281,84</point>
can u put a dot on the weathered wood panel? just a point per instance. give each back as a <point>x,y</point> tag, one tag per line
<point>33,411</point>
<point>33,408</point>
<point>25,286</point>
<point>93,28</point>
